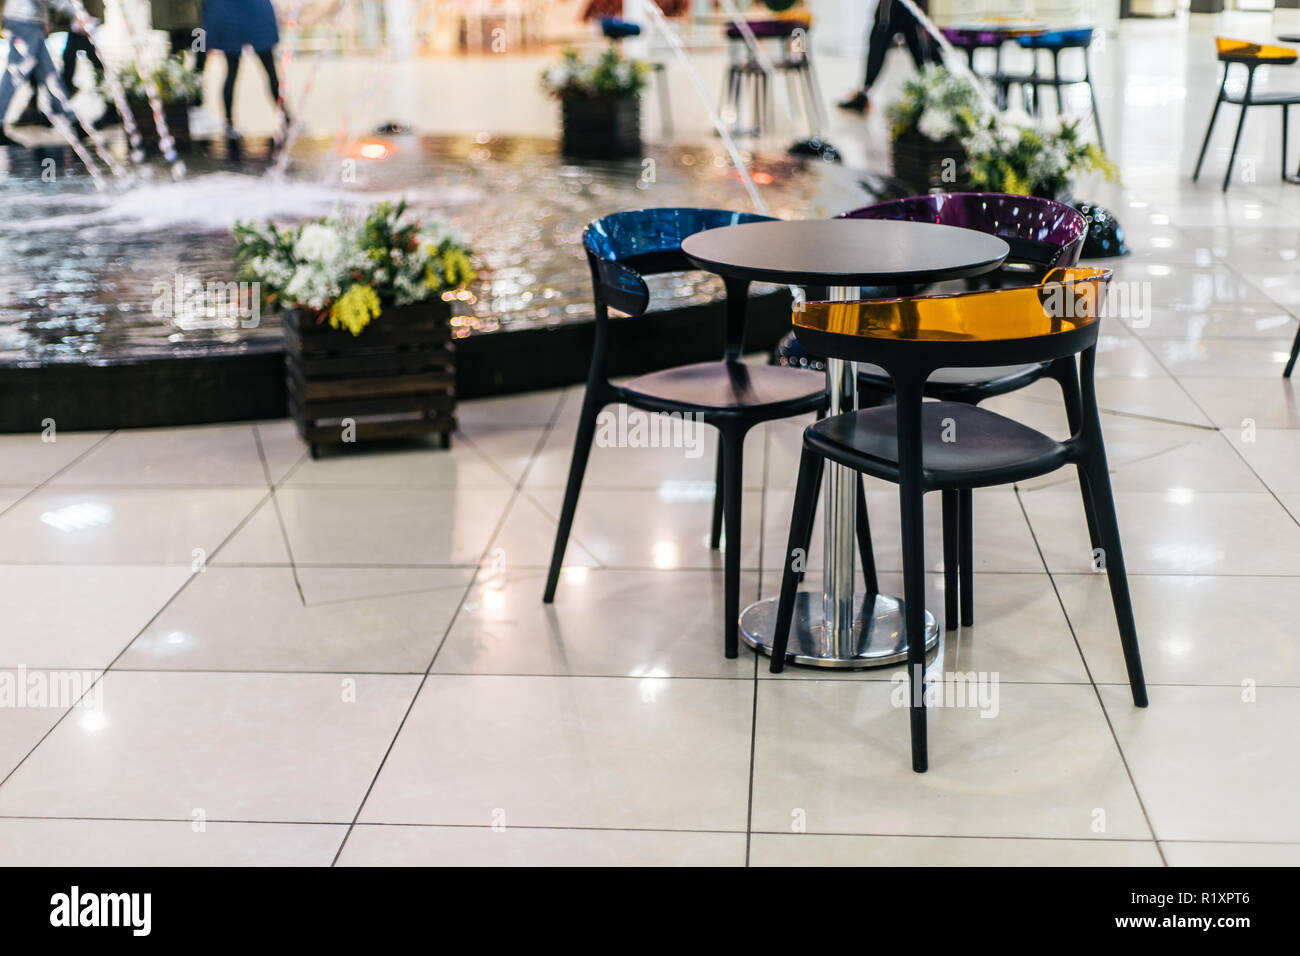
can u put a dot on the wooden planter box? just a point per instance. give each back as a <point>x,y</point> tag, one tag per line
<point>394,380</point>
<point>177,116</point>
<point>922,163</point>
<point>607,127</point>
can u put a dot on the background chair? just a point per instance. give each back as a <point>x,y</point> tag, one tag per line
<point>1251,56</point>
<point>1054,42</point>
<point>904,442</point>
<point>615,30</point>
<point>747,81</point>
<point>727,394</point>
<point>1043,236</point>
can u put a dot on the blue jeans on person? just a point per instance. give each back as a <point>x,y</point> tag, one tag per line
<point>32,36</point>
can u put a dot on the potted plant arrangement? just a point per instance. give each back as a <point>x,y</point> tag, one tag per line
<point>600,102</point>
<point>1027,161</point>
<point>946,136</point>
<point>178,87</point>
<point>365,311</point>
<point>928,124</point>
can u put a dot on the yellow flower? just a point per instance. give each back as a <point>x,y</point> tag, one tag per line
<point>354,309</point>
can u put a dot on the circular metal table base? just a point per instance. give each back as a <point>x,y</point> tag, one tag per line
<point>879,630</point>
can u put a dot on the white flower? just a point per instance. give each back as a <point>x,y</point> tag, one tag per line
<point>318,243</point>
<point>936,125</point>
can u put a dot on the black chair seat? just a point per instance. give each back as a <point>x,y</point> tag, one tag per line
<point>1279,98</point>
<point>985,448</point>
<point>725,386</point>
<point>956,384</point>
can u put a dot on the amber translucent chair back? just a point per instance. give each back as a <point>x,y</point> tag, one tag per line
<point>912,337</point>
<point>1243,51</point>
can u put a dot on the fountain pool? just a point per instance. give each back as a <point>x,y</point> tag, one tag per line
<point>83,339</point>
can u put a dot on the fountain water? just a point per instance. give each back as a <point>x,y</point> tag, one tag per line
<point>670,37</point>
<point>814,145</point>
<point>19,71</point>
<point>294,127</point>
<point>166,144</point>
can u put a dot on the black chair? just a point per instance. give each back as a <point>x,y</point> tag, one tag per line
<point>1054,42</point>
<point>1252,56</point>
<point>1042,235</point>
<point>728,394</point>
<point>904,442</point>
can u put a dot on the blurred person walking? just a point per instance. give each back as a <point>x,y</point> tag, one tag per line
<point>231,25</point>
<point>26,22</point>
<point>892,20</point>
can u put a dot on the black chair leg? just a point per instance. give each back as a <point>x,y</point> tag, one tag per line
<point>1295,350</point>
<point>1284,131</point>
<point>951,507</point>
<point>715,532</point>
<point>591,406</point>
<point>733,457</point>
<point>1241,125</point>
<point>1108,526</point>
<point>1092,96</point>
<point>801,522</point>
<point>911,505</point>
<point>864,543</point>
<point>966,554</point>
<point>1066,375</point>
<point>1205,143</point>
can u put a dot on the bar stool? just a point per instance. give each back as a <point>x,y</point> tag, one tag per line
<point>1043,235</point>
<point>728,395</point>
<point>904,442</point>
<point>1055,42</point>
<point>615,30</point>
<point>1252,56</point>
<point>747,80</point>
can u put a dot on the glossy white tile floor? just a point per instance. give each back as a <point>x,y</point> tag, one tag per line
<point>348,661</point>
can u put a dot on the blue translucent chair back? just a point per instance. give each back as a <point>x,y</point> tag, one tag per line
<point>625,246</point>
<point>616,29</point>
<point>1058,39</point>
<point>1040,232</point>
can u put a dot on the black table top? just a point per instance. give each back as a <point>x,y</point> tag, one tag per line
<point>844,252</point>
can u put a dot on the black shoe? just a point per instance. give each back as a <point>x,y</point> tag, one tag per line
<point>6,141</point>
<point>32,116</point>
<point>110,117</point>
<point>857,103</point>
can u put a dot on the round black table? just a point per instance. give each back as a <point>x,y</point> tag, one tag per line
<point>841,630</point>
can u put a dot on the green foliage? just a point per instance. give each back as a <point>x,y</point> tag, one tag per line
<point>609,73</point>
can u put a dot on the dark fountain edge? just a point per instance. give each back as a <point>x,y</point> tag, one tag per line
<point>196,388</point>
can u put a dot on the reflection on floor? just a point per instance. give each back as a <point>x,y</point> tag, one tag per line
<point>348,659</point>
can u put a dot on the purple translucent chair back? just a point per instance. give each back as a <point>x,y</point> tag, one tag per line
<point>1040,232</point>
<point>769,29</point>
<point>972,37</point>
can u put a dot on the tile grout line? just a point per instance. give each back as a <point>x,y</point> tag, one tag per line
<point>103,672</point>
<point>279,518</point>
<point>451,623</point>
<point>40,486</point>
<point>1093,683</point>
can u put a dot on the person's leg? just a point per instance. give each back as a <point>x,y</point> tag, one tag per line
<point>882,38</point>
<point>267,57</point>
<point>76,43</point>
<point>906,26</point>
<point>27,44</point>
<point>878,40</point>
<point>228,91</point>
<point>13,74</point>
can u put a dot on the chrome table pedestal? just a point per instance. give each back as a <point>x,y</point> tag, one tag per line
<point>838,628</point>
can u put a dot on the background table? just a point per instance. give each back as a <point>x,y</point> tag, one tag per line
<point>841,630</point>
